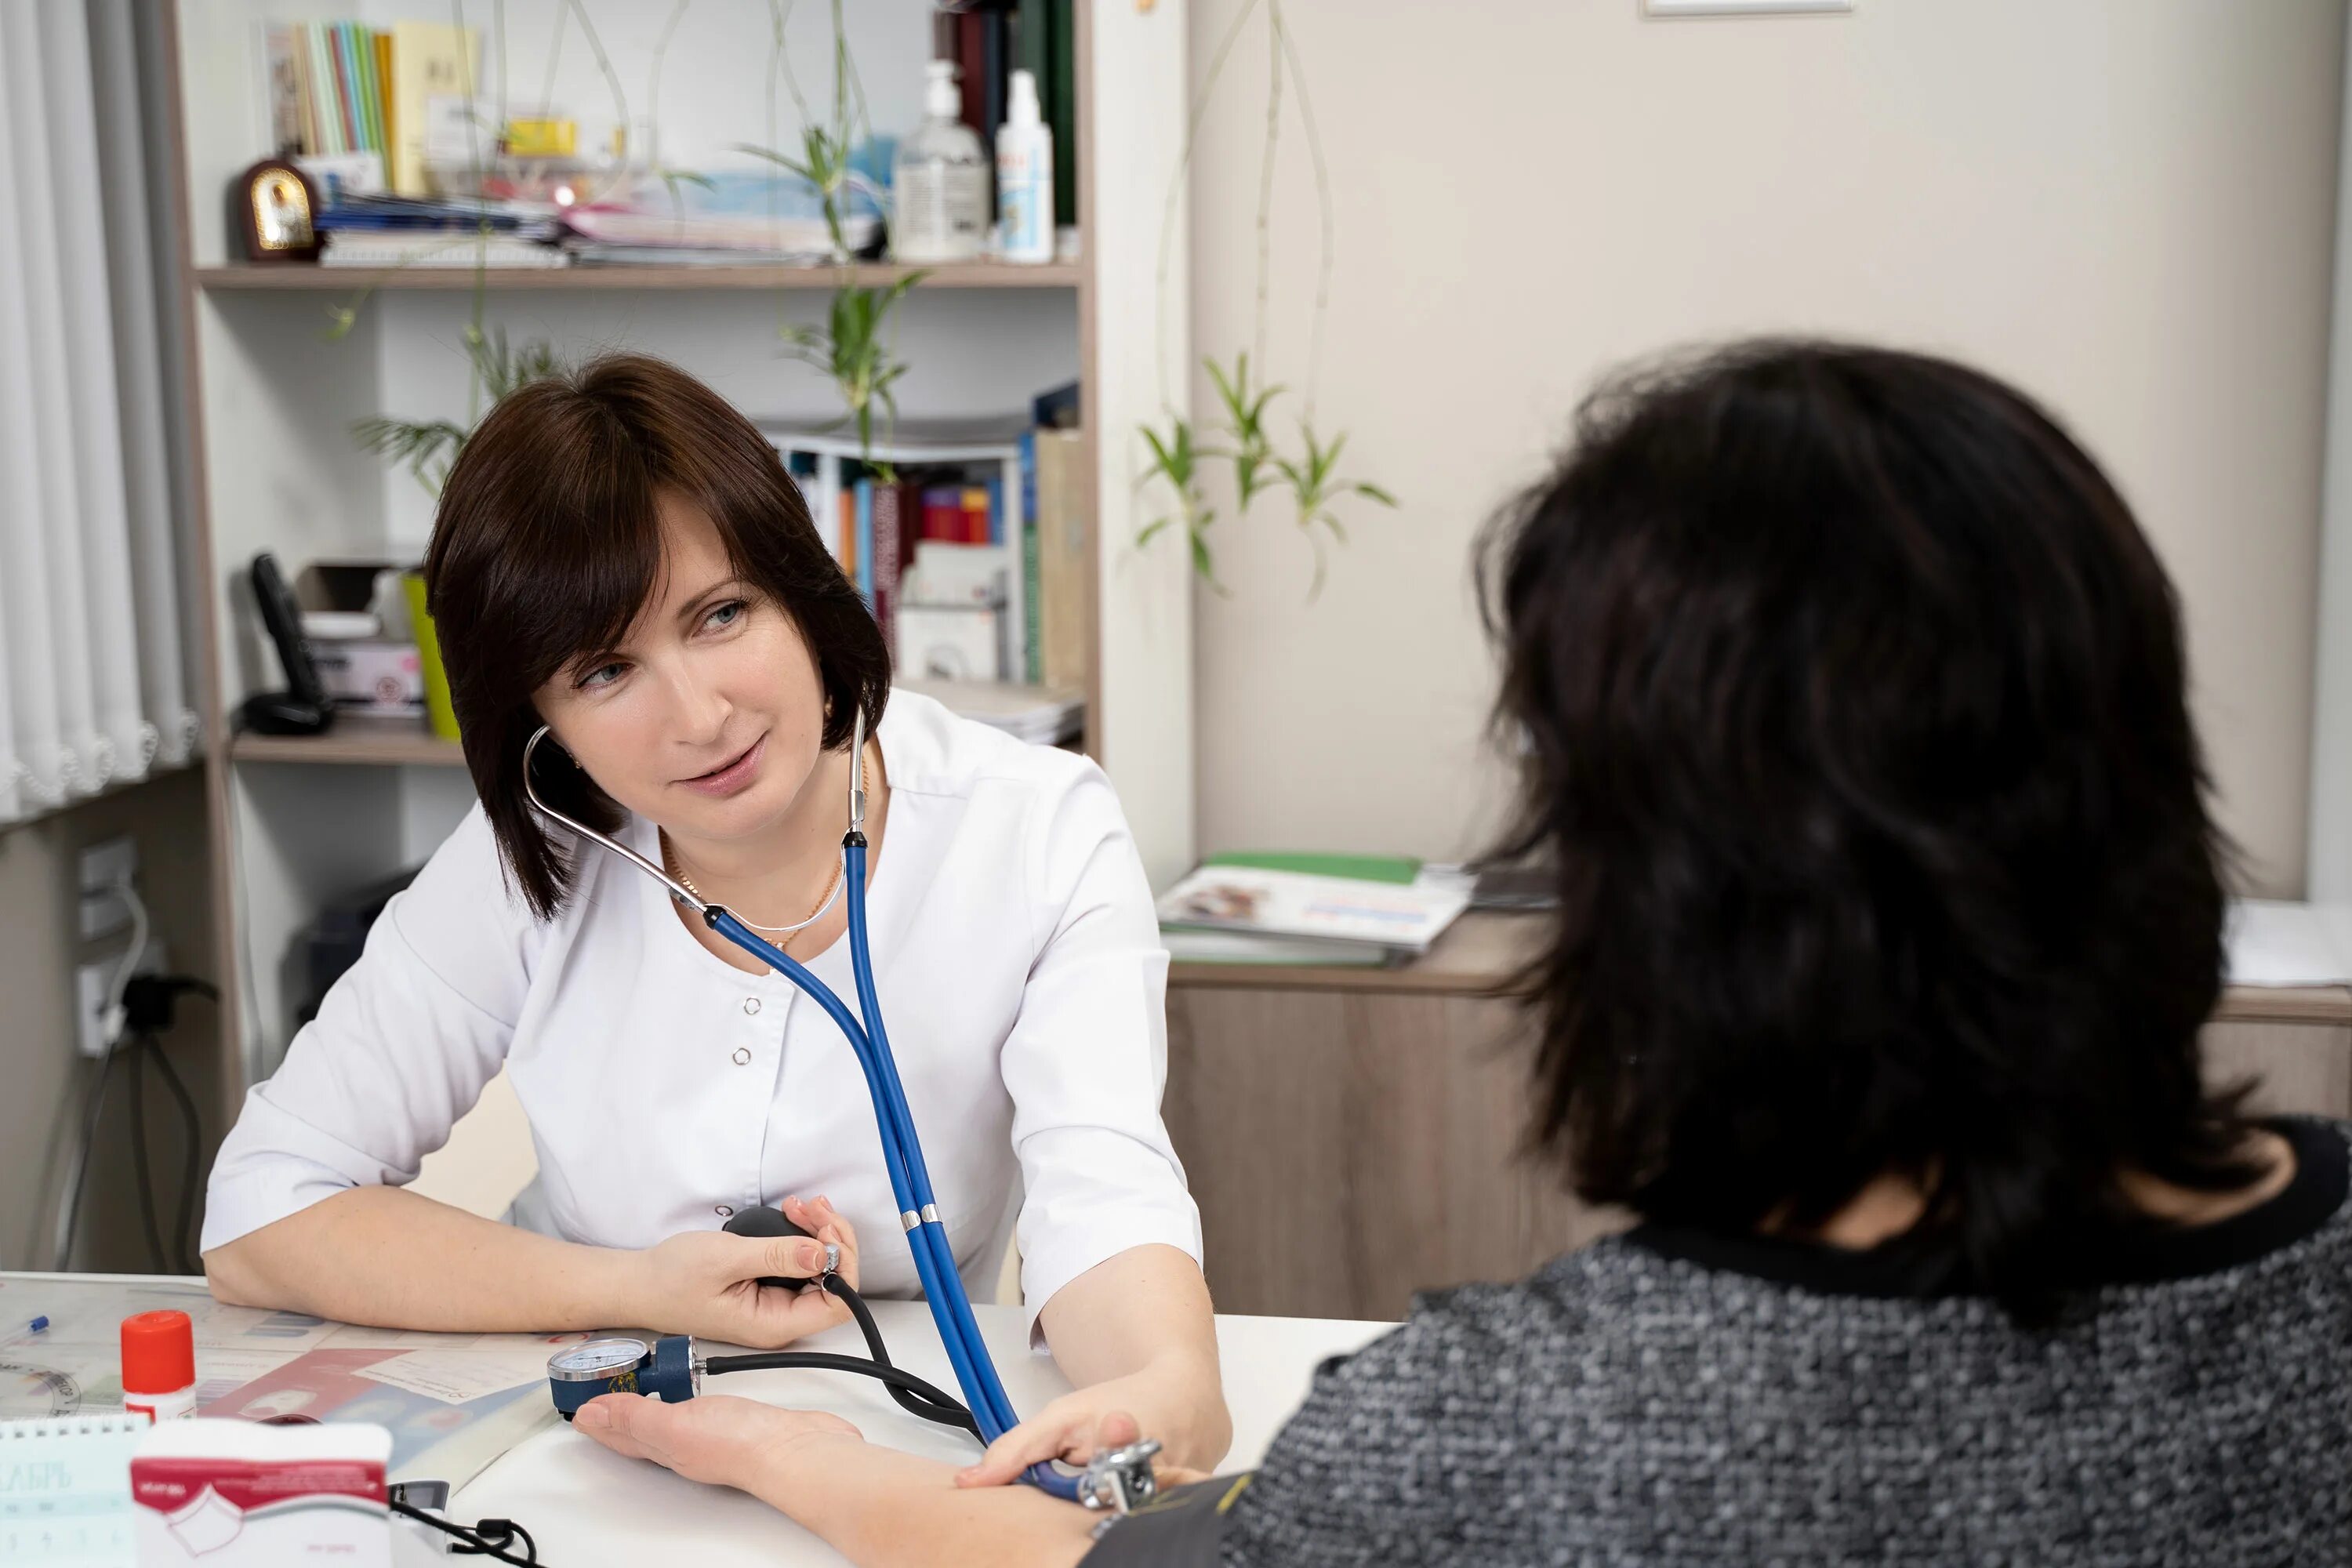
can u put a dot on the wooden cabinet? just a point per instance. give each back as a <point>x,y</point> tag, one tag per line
<point>1352,1135</point>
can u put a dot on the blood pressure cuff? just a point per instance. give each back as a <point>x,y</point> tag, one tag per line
<point>1178,1528</point>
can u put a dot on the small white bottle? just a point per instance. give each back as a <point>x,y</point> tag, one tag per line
<point>1025,178</point>
<point>939,181</point>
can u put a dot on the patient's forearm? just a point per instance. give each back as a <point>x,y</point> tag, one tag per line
<point>386,1256</point>
<point>883,1509</point>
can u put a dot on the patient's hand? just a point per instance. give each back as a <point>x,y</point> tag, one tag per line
<point>718,1438</point>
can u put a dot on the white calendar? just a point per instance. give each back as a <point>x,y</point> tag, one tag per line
<point>64,1491</point>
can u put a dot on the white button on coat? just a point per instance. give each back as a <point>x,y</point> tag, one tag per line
<point>1021,981</point>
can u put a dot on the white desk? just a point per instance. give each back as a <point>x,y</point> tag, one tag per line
<point>586,1506</point>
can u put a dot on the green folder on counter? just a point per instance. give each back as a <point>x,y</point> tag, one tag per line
<point>1400,869</point>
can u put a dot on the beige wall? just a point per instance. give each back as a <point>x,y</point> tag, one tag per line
<point>41,1080</point>
<point>2126,206</point>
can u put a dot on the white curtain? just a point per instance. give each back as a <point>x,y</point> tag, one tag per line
<point>94,683</point>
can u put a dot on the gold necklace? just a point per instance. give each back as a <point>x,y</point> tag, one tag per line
<point>670,864</point>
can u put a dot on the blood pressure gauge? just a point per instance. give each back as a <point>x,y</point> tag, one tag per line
<point>668,1369</point>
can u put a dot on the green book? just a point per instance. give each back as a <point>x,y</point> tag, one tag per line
<point>370,102</point>
<point>1397,868</point>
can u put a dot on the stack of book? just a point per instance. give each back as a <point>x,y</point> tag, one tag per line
<point>341,88</point>
<point>1041,715</point>
<point>968,539</point>
<point>363,230</point>
<point>1357,910</point>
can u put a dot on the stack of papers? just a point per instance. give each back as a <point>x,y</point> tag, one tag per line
<point>1239,913</point>
<point>718,218</point>
<point>373,230</point>
<point>453,1403</point>
<point>1041,715</point>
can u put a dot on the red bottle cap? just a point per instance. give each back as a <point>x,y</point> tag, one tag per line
<point>159,1352</point>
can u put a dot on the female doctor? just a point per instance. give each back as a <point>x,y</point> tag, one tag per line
<point>621,556</point>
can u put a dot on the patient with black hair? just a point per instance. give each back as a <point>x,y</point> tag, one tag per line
<point>1850,703</point>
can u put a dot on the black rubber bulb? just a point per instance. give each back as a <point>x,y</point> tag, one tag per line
<point>765,1221</point>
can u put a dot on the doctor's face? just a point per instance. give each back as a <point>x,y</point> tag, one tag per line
<point>708,717</point>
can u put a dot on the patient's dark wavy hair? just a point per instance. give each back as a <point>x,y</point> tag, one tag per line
<point>1850,703</point>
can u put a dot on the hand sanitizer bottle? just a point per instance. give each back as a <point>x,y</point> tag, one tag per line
<point>939,181</point>
<point>1025,178</point>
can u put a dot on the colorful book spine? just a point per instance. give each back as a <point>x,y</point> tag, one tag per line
<point>975,515</point>
<point>1032,599</point>
<point>384,97</point>
<point>371,91</point>
<point>890,515</point>
<point>323,78</point>
<point>305,89</point>
<point>943,514</point>
<point>347,93</point>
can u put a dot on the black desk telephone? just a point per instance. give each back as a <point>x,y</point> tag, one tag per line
<point>303,708</point>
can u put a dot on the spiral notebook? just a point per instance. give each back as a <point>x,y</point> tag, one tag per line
<point>64,1491</point>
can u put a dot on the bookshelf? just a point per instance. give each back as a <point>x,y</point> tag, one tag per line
<point>300,821</point>
<point>302,276</point>
<point>359,743</point>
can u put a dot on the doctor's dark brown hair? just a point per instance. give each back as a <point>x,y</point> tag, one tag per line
<point>547,547</point>
<point>1853,719</point>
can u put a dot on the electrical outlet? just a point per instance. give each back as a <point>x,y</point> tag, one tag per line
<point>111,862</point>
<point>103,914</point>
<point>91,983</point>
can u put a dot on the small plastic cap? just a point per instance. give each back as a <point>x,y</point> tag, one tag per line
<point>1023,109</point>
<point>942,100</point>
<point>159,1352</point>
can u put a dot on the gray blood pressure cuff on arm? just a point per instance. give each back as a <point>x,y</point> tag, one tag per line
<point>1178,1528</point>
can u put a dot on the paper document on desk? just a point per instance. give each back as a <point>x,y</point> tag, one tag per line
<point>1401,916</point>
<point>2275,943</point>
<point>468,1399</point>
<point>454,1376</point>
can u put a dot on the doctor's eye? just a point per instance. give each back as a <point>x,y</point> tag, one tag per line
<point>601,676</point>
<point>727,615</point>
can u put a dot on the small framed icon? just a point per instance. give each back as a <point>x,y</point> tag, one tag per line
<point>275,206</point>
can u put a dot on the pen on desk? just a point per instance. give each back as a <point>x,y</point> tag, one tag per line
<point>38,1325</point>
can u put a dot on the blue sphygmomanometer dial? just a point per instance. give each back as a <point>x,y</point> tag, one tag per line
<point>581,1372</point>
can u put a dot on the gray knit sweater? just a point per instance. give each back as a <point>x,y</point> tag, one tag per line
<point>1666,1399</point>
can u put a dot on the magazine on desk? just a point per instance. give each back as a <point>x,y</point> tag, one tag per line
<point>1403,917</point>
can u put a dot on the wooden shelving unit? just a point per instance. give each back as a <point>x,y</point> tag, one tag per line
<point>309,277</point>
<point>352,742</point>
<point>299,822</point>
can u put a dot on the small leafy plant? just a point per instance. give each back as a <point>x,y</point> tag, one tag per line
<point>1177,462</point>
<point>1315,483</point>
<point>853,348</point>
<point>1259,462</point>
<point>430,446</point>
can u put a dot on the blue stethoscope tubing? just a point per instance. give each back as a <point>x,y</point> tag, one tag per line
<point>902,1151</point>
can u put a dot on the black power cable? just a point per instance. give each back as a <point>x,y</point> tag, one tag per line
<point>149,1002</point>
<point>486,1538</point>
<point>81,1170</point>
<point>135,1048</point>
<point>190,1161</point>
